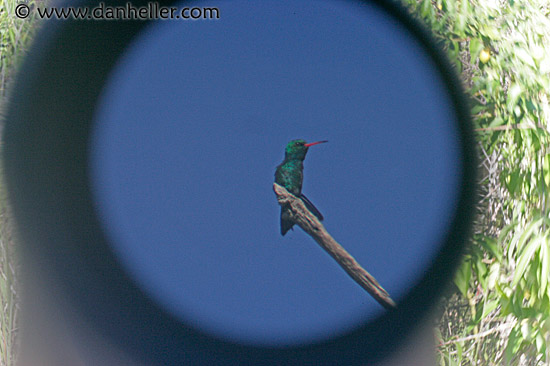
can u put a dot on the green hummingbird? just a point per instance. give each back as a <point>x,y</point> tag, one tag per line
<point>290,174</point>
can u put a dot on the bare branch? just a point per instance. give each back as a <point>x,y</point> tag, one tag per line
<point>523,126</point>
<point>500,328</point>
<point>312,226</point>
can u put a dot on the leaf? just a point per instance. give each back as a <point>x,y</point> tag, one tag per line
<point>490,244</point>
<point>525,257</point>
<point>498,121</point>
<point>520,237</point>
<point>478,108</point>
<point>459,350</point>
<point>514,343</point>
<point>494,275</point>
<point>531,106</point>
<point>505,303</point>
<point>514,181</point>
<point>545,267</point>
<point>513,95</point>
<point>454,51</point>
<point>462,277</point>
<point>477,316</point>
<point>427,10</point>
<point>505,231</point>
<point>488,307</point>
<point>540,343</point>
<point>525,329</point>
<point>523,55</point>
<point>476,45</point>
<point>546,169</point>
<point>481,271</point>
<point>460,24</point>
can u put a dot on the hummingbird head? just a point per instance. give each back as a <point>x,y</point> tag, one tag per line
<point>297,149</point>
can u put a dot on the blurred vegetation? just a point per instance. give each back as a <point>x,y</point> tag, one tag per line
<point>15,37</point>
<point>500,311</point>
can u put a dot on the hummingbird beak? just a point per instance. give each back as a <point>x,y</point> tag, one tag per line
<point>315,143</point>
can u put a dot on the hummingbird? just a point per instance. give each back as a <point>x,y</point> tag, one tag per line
<point>290,174</point>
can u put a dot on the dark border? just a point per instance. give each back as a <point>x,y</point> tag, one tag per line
<point>46,157</point>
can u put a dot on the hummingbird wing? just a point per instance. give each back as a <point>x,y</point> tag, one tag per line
<point>311,207</point>
<point>287,223</point>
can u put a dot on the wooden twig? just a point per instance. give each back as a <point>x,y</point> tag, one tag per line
<point>512,127</point>
<point>312,226</point>
<point>502,327</point>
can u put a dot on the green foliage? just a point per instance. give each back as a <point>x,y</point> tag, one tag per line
<point>501,312</point>
<point>8,295</point>
<point>15,36</point>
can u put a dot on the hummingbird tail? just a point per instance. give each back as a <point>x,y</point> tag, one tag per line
<point>286,223</point>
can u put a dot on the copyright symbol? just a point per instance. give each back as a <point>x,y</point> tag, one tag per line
<point>22,11</point>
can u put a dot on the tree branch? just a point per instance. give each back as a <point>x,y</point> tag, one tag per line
<point>523,126</point>
<point>312,226</point>
<point>501,327</point>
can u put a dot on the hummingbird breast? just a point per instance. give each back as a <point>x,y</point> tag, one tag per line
<point>289,174</point>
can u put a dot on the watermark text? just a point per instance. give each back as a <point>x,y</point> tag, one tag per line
<point>153,10</point>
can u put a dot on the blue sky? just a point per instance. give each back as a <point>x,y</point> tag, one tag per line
<point>193,123</point>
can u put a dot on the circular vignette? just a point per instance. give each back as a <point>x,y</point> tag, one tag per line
<point>46,163</point>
